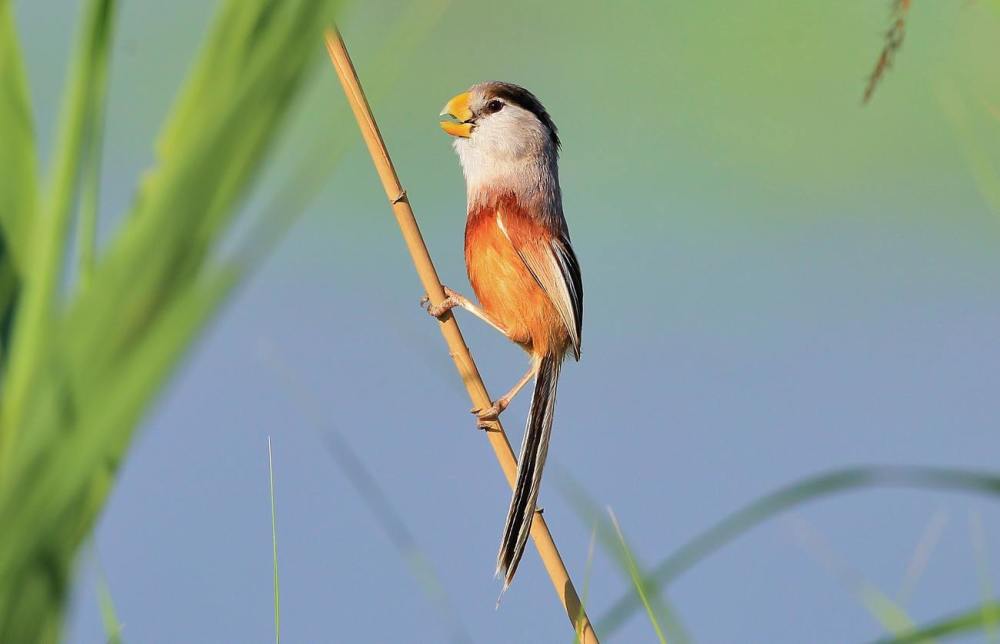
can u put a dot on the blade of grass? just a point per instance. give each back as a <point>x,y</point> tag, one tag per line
<point>90,191</point>
<point>628,563</point>
<point>979,546</point>
<point>969,621</point>
<point>789,496</point>
<point>983,167</point>
<point>114,347</point>
<point>33,323</point>
<point>104,328</point>
<point>109,615</point>
<point>368,489</point>
<point>886,612</point>
<point>922,554</point>
<point>633,571</point>
<point>18,184</point>
<point>274,546</point>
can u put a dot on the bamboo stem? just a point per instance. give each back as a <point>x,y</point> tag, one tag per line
<point>449,326</point>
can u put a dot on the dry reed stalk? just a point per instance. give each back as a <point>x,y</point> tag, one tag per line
<point>893,42</point>
<point>449,326</point>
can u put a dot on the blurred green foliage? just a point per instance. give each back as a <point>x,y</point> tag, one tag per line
<point>81,362</point>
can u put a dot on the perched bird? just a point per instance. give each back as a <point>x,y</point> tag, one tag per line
<point>521,266</point>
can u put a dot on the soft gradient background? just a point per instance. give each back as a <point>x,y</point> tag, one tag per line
<point>778,281</point>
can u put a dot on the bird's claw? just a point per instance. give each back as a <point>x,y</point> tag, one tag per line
<point>450,301</point>
<point>438,310</point>
<point>486,416</point>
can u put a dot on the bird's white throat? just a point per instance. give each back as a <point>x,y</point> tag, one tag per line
<point>490,171</point>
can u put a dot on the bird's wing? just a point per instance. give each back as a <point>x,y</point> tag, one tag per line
<point>553,264</point>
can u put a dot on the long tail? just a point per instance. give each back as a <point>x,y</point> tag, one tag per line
<point>530,463</point>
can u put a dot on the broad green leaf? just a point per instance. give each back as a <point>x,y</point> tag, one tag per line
<point>109,351</point>
<point>47,232</point>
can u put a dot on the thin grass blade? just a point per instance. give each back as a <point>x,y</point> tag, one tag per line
<point>274,546</point>
<point>18,183</point>
<point>90,190</point>
<point>628,562</point>
<point>109,615</point>
<point>890,615</point>
<point>969,621</point>
<point>991,625</point>
<point>374,497</point>
<point>633,571</point>
<point>984,167</point>
<point>792,495</point>
<point>922,554</point>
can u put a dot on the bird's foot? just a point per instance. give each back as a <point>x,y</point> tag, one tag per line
<point>486,416</point>
<point>439,310</point>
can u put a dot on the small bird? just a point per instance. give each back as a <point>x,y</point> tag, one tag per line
<point>521,266</point>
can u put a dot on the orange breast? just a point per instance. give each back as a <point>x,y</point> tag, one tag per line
<point>505,288</point>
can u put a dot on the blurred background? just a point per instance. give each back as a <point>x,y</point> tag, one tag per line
<point>779,281</point>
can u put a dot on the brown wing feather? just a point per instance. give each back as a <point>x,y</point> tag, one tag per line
<point>552,262</point>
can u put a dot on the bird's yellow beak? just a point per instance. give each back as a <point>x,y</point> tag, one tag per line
<point>456,116</point>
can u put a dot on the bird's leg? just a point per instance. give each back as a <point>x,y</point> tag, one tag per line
<point>491,413</point>
<point>453,299</point>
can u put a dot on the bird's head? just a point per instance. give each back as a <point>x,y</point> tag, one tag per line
<point>497,123</point>
<point>505,140</point>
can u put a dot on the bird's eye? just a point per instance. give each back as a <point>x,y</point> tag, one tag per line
<point>494,106</point>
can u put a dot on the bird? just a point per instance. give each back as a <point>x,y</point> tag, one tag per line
<point>521,265</point>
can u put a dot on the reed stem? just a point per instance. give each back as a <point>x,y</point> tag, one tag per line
<point>394,191</point>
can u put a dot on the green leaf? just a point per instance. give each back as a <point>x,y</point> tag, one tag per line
<point>47,235</point>
<point>790,496</point>
<point>888,613</point>
<point>89,372</point>
<point>18,184</point>
<point>109,615</point>
<point>981,549</point>
<point>628,559</point>
<point>969,621</point>
<point>91,171</point>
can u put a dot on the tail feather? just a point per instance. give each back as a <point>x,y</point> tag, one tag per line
<point>534,448</point>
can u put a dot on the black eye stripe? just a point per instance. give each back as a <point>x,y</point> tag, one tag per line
<point>517,95</point>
